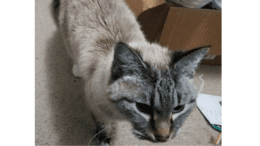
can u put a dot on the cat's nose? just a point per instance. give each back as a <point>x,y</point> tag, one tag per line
<point>162,134</point>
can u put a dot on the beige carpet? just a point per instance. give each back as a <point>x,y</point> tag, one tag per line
<point>62,118</point>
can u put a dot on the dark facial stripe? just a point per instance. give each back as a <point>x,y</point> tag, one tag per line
<point>164,94</point>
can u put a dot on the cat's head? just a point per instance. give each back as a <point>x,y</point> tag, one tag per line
<point>156,101</point>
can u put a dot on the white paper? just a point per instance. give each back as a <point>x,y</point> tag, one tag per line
<point>210,106</point>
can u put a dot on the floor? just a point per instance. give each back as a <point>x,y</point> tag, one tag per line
<point>62,118</point>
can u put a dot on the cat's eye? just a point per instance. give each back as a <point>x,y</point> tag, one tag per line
<point>144,108</point>
<point>178,109</point>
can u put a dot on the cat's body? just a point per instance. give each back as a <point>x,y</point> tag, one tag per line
<point>124,73</point>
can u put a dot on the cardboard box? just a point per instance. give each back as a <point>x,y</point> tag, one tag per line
<point>180,28</point>
<point>187,28</point>
<point>152,22</point>
<point>139,6</point>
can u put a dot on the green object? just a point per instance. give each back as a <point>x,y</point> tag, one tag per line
<point>217,127</point>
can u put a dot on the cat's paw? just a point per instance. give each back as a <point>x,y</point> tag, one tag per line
<point>76,71</point>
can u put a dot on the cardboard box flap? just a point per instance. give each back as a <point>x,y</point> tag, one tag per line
<point>186,29</point>
<point>138,6</point>
<point>152,21</point>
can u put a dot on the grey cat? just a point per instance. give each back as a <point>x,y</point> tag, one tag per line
<point>126,77</point>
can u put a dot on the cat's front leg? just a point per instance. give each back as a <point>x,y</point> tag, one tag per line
<point>105,131</point>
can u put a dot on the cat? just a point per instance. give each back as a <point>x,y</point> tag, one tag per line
<point>125,76</point>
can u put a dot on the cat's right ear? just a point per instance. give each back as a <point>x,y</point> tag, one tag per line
<point>126,61</point>
<point>186,62</point>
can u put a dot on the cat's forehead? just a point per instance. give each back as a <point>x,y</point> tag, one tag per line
<point>139,88</point>
<point>164,92</point>
<point>162,78</point>
<point>171,90</point>
<point>155,55</point>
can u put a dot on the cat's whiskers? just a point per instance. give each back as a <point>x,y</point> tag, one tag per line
<point>100,132</point>
<point>109,136</point>
<point>139,142</point>
<point>180,134</point>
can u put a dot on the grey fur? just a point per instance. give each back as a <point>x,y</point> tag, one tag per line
<point>99,34</point>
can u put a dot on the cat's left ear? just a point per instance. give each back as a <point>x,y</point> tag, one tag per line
<point>189,61</point>
<point>126,61</point>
